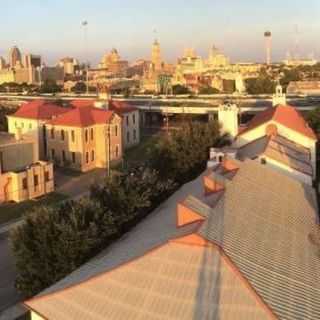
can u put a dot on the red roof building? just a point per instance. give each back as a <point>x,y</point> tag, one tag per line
<point>82,117</point>
<point>39,110</point>
<point>287,116</point>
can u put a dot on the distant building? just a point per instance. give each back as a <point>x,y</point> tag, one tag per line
<point>69,65</point>
<point>113,64</point>
<point>304,87</point>
<point>3,63</point>
<point>22,175</point>
<point>14,57</point>
<point>292,62</point>
<point>217,59</point>
<point>156,56</point>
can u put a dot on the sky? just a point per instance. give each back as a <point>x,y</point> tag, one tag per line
<point>53,28</point>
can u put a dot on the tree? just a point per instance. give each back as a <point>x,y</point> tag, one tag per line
<point>50,86</point>
<point>261,85</point>
<point>52,242</point>
<point>179,89</point>
<point>79,87</point>
<point>132,195</point>
<point>290,75</point>
<point>313,118</point>
<point>183,155</point>
<point>208,90</point>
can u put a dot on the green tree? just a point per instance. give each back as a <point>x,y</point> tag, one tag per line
<point>290,75</point>
<point>208,90</point>
<point>182,155</point>
<point>179,89</point>
<point>261,85</point>
<point>79,87</point>
<point>313,118</point>
<point>52,242</point>
<point>50,86</point>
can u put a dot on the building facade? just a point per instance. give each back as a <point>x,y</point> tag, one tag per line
<point>22,175</point>
<point>85,138</point>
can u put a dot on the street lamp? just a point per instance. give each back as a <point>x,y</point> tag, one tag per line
<point>84,24</point>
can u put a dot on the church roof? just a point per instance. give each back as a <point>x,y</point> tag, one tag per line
<point>287,116</point>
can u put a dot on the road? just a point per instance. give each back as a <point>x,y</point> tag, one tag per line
<point>8,295</point>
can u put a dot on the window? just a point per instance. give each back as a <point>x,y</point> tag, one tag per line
<point>117,151</point>
<point>86,135</point>
<point>53,153</point>
<point>73,138</point>
<point>91,134</point>
<point>62,135</point>
<point>263,161</point>
<point>134,119</point>
<point>24,183</point>
<point>73,155</point>
<point>134,135</point>
<point>52,133</point>
<point>63,156</point>
<point>116,130</point>
<point>128,137</point>
<point>220,158</point>
<point>30,126</point>
<point>47,176</point>
<point>36,180</point>
<point>15,124</point>
<point>22,124</point>
<point>87,157</point>
<point>127,120</point>
<point>92,155</point>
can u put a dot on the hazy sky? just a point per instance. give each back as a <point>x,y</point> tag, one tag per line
<point>52,28</point>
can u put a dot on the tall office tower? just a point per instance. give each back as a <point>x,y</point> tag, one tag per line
<point>268,43</point>
<point>14,57</point>
<point>31,60</point>
<point>2,63</point>
<point>156,56</point>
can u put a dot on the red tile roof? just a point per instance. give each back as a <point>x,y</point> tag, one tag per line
<point>82,103</point>
<point>121,107</point>
<point>39,110</point>
<point>83,117</point>
<point>288,116</point>
<point>117,106</point>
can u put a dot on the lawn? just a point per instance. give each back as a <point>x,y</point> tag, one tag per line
<point>139,154</point>
<point>12,211</point>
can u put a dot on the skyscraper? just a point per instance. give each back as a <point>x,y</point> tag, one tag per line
<point>156,56</point>
<point>14,57</point>
<point>2,63</point>
<point>268,43</point>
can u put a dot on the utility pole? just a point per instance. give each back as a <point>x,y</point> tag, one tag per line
<point>109,145</point>
<point>85,38</point>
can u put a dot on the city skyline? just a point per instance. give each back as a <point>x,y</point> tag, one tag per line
<point>129,29</point>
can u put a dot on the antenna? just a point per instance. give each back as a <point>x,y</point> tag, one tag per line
<point>296,42</point>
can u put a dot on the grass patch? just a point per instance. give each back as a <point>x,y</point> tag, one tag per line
<point>13,211</point>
